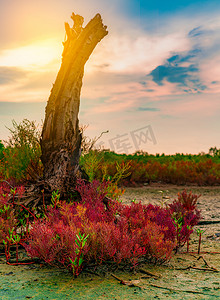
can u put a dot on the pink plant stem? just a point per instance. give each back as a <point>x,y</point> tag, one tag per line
<point>16,253</point>
<point>27,224</point>
<point>21,230</point>
<point>200,238</point>
<point>44,204</point>
<point>177,237</point>
<point>26,210</point>
<point>77,268</point>
<point>18,263</point>
<point>7,254</point>
<point>188,245</point>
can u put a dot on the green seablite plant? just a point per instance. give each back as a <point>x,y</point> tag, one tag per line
<point>77,262</point>
<point>199,233</point>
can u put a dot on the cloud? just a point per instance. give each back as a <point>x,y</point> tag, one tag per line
<point>148,109</point>
<point>19,109</point>
<point>10,75</point>
<point>175,59</point>
<point>20,85</point>
<point>195,32</point>
<point>182,69</point>
<point>173,74</point>
<point>197,105</point>
<point>118,65</point>
<point>135,52</point>
<point>193,70</point>
<point>209,57</point>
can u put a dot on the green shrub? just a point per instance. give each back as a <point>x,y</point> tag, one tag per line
<point>20,159</point>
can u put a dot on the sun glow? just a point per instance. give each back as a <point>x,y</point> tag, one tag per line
<point>35,55</point>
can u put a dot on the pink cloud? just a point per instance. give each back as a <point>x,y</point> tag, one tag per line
<point>195,105</point>
<point>210,73</point>
<point>136,54</point>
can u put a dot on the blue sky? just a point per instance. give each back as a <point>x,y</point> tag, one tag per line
<point>156,75</point>
<point>168,6</point>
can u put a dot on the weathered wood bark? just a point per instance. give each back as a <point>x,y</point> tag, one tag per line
<point>61,138</point>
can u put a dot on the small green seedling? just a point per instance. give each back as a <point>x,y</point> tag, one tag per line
<point>55,198</point>
<point>199,233</point>
<point>77,262</point>
<point>189,227</point>
<point>178,224</point>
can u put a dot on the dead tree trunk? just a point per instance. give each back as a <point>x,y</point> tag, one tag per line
<point>61,138</point>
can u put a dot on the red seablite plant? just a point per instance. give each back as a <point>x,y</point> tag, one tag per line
<point>114,232</point>
<point>185,215</point>
<point>118,233</point>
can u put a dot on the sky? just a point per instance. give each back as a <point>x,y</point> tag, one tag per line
<point>153,82</point>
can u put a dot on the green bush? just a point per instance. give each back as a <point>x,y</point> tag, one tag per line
<point>20,158</point>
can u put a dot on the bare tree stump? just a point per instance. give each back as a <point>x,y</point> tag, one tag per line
<point>61,138</point>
